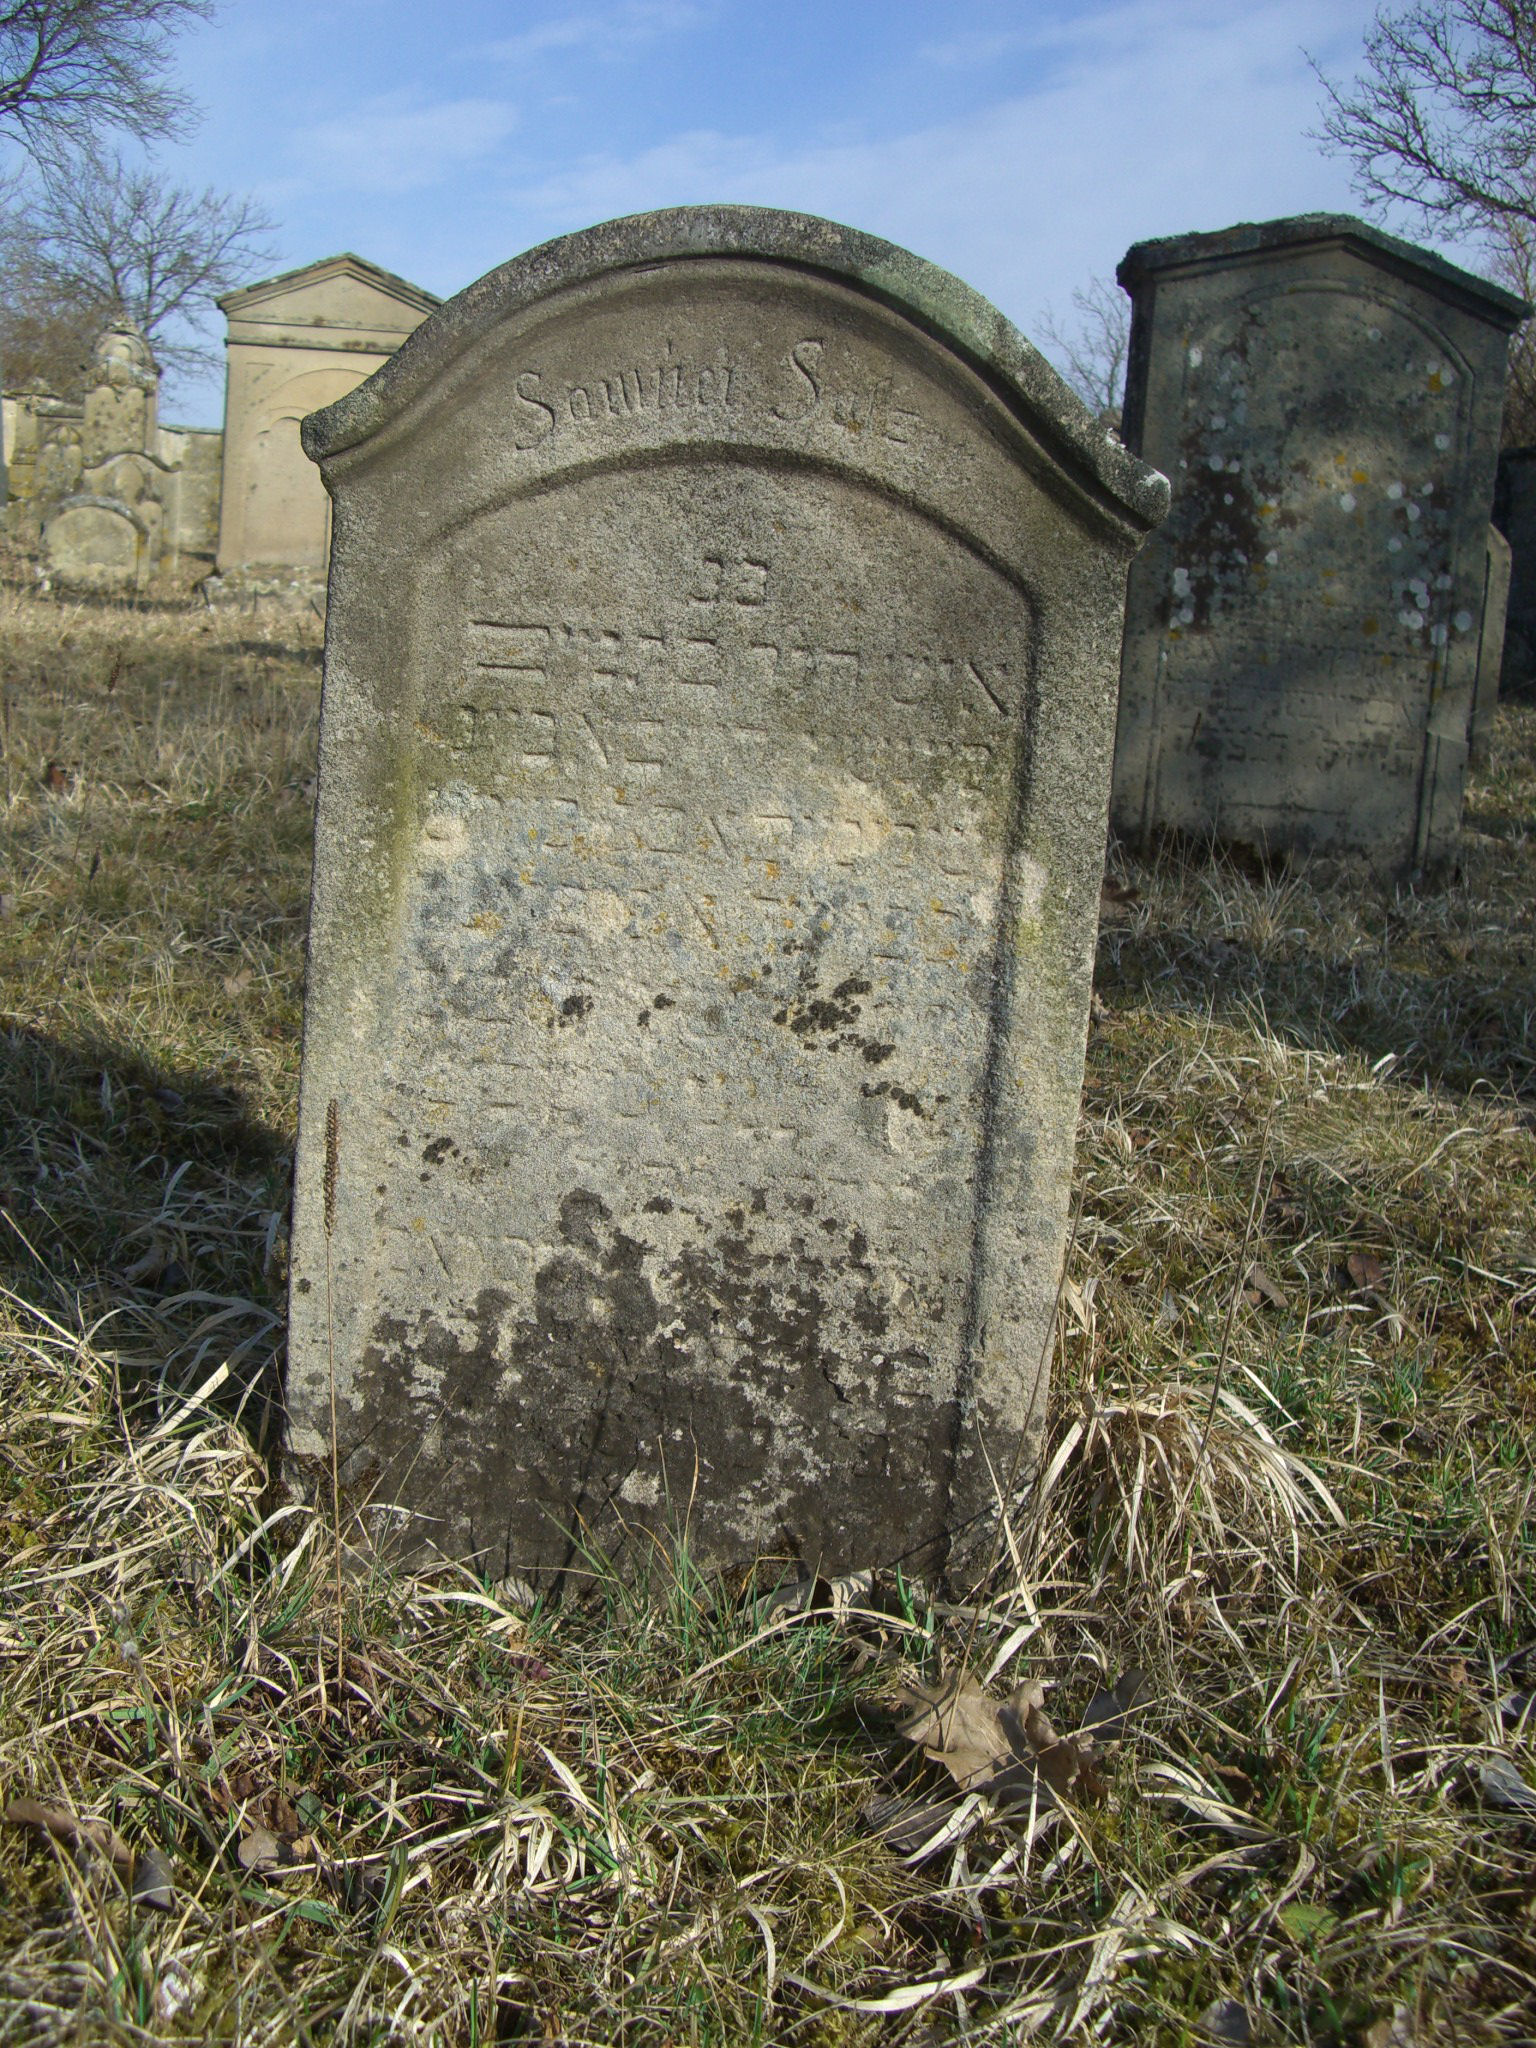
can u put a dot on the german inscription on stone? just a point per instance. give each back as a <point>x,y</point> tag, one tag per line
<point>718,700</point>
<point>1302,638</point>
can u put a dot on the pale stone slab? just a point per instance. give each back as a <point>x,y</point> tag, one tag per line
<point>296,343</point>
<point>720,670</point>
<point>1302,636</point>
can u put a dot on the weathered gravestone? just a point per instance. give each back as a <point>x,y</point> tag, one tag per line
<point>1302,636</point>
<point>1514,512</point>
<point>1497,564</point>
<point>719,691</point>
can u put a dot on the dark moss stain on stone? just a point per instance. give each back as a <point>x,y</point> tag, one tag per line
<point>436,1150</point>
<point>823,1023</point>
<point>532,1426</point>
<point>810,1015</point>
<point>902,1097</point>
<point>656,1003</point>
<point>576,1006</point>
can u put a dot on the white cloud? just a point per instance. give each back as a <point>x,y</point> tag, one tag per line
<point>975,46</point>
<point>1152,117</point>
<point>612,32</point>
<point>388,145</point>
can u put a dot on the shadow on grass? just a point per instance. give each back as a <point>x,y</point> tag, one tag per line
<point>1453,998</point>
<point>147,1202</point>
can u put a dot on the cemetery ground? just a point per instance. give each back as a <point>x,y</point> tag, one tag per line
<point>262,1786</point>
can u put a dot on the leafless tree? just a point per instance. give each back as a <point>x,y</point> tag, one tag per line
<point>1442,118</point>
<point>70,68</point>
<point>1090,350</point>
<point>1510,256</point>
<point>1441,121</point>
<point>99,238</point>
<point>45,341</point>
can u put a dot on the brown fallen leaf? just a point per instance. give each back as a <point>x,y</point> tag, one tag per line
<point>1366,1270</point>
<point>236,983</point>
<point>1261,1286</point>
<point>1116,901</point>
<point>265,1854</point>
<point>956,1724</point>
<point>1106,1713</point>
<point>906,1824</point>
<point>147,1873</point>
<point>1060,1762</point>
<point>1009,1749</point>
<point>58,778</point>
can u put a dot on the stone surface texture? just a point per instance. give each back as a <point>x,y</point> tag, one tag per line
<point>1302,635</point>
<point>720,667</point>
<point>296,343</point>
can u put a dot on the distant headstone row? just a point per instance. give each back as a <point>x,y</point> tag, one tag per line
<point>722,645</point>
<point>102,493</point>
<point>108,499</point>
<point>1313,649</point>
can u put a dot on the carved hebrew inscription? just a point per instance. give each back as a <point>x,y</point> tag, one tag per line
<point>704,939</point>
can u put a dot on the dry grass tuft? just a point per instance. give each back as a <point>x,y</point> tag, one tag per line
<point>1289,1480</point>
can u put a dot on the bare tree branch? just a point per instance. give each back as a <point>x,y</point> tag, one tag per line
<point>1442,119</point>
<point>71,67</point>
<point>100,239</point>
<point>1091,350</point>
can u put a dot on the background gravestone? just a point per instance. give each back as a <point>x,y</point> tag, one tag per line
<point>1514,513</point>
<point>1498,562</point>
<point>1301,638</point>
<point>296,342</point>
<point>719,683</point>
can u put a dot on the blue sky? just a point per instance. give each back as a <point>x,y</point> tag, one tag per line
<point>1021,143</point>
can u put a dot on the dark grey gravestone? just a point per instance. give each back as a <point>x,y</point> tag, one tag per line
<point>1302,635</point>
<point>1497,562</point>
<point>720,667</point>
<point>1514,513</point>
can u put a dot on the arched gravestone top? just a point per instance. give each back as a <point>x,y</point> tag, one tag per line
<point>933,298</point>
<point>720,671</point>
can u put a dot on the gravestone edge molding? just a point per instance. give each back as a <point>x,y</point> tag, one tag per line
<point>1200,249</point>
<point>950,311</point>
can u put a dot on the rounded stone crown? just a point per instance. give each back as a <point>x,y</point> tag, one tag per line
<point>122,356</point>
